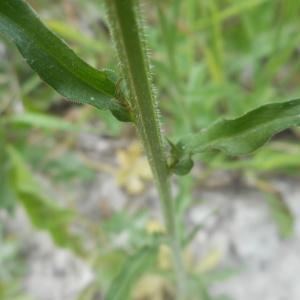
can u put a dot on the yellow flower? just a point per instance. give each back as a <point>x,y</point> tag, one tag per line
<point>133,169</point>
<point>155,227</point>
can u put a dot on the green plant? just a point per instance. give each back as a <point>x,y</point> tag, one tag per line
<point>130,98</point>
<point>11,267</point>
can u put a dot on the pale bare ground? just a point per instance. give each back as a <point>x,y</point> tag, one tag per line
<point>242,235</point>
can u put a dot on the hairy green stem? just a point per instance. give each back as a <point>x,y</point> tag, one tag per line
<point>130,43</point>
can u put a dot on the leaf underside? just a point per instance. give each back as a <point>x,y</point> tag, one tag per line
<point>54,61</point>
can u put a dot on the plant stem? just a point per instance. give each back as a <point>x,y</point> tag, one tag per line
<point>130,43</point>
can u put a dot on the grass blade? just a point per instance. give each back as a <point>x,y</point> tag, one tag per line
<point>39,120</point>
<point>44,214</point>
<point>132,270</point>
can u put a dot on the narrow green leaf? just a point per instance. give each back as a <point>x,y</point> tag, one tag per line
<point>132,270</point>
<point>42,121</point>
<point>54,61</point>
<point>247,133</point>
<point>43,213</point>
<point>281,213</point>
<point>7,195</point>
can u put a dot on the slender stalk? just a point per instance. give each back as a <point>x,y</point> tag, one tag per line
<point>130,43</point>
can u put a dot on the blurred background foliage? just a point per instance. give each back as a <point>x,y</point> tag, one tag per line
<point>210,59</point>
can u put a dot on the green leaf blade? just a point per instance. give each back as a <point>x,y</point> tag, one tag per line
<point>281,214</point>
<point>53,60</point>
<point>133,268</point>
<point>247,133</point>
<point>39,120</point>
<point>7,195</point>
<point>44,213</point>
